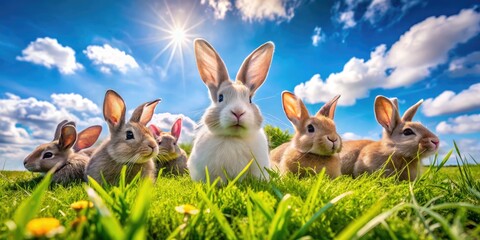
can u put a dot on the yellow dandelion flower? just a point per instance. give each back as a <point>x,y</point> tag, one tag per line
<point>80,205</point>
<point>187,209</point>
<point>44,227</point>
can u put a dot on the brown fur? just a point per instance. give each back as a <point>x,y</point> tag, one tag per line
<point>69,164</point>
<point>309,152</point>
<point>118,151</point>
<point>170,156</point>
<point>406,151</point>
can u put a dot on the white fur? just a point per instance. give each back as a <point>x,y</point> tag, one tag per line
<point>229,153</point>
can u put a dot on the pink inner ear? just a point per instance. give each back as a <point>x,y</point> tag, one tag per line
<point>154,130</point>
<point>177,129</point>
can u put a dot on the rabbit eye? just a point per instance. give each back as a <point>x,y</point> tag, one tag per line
<point>250,99</point>
<point>408,131</point>
<point>310,128</point>
<point>47,155</point>
<point>130,135</point>
<point>220,98</point>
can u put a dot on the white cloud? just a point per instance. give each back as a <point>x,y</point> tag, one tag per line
<point>318,36</point>
<point>165,121</point>
<point>49,53</point>
<point>411,59</point>
<point>450,102</point>
<point>347,19</point>
<point>459,125</point>
<point>258,10</point>
<point>220,7</point>
<point>373,12</point>
<point>351,136</point>
<point>109,58</point>
<point>28,122</point>
<point>74,102</point>
<point>468,65</point>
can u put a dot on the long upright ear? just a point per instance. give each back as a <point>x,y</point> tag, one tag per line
<point>254,69</point>
<point>328,110</point>
<point>386,113</point>
<point>395,103</point>
<point>59,129</point>
<point>210,66</point>
<point>114,110</point>
<point>410,113</point>
<point>144,113</point>
<point>294,109</point>
<point>176,129</point>
<point>68,136</point>
<point>154,130</point>
<point>87,137</point>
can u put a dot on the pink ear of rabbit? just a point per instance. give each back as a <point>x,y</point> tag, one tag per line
<point>177,129</point>
<point>154,130</point>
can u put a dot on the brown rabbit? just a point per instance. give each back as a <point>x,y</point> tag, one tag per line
<point>170,156</point>
<point>130,144</point>
<point>69,164</point>
<point>315,144</point>
<point>405,141</point>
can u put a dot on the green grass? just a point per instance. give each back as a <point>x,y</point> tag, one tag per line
<point>444,203</point>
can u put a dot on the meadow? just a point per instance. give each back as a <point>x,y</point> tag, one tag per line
<point>444,203</point>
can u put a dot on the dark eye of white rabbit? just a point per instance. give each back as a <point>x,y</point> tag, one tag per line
<point>310,128</point>
<point>408,131</point>
<point>129,135</point>
<point>220,98</point>
<point>250,99</point>
<point>47,155</point>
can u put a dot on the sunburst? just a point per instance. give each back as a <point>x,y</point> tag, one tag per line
<point>175,31</point>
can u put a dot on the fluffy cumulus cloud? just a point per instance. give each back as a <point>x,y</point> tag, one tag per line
<point>51,54</point>
<point>351,136</point>
<point>255,10</point>
<point>27,122</point>
<point>468,65</point>
<point>468,147</point>
<point>109,58</point>
<point>348,13</point>
<point>74,102</point>
<point>459,125</point>
<point>279,10</point>
<point>429,41</point>
<point>220,7</point>
<point>318,36</point>
<point>165,121</point>
<point>451,102</point>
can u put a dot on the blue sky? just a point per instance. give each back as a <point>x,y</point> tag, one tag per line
<point>57,59</point>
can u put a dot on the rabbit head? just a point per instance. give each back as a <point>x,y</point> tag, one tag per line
<point>167,142</point>
<point>130,142</point>
<point>56,153</point>
<point>313,134</point>
<point>408,138</point>
<point>232,112</point>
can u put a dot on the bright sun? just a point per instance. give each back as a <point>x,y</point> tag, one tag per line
<point>175,34</point>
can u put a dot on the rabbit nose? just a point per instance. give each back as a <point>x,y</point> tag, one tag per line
<point>237,114</point>
<point>152,146</point>
<point>435,142</point>
<point>333,139</point>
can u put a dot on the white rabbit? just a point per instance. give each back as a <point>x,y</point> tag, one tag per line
<point>230,133</point>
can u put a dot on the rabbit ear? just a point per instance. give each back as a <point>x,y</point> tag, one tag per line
<point>254,69</point>
<point>68,136</point>
<point>59,129</point>
<point>114,110</point>
<point>328,110</point>
<point>144,113</point>
<point>386,113</point>
<point>410,113</point>
<point>154,130</point>
<point>395,102</point>
<point>176,129</point>
<point>87,137</point>
<point>210,66</point>
<point>294,109</point>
